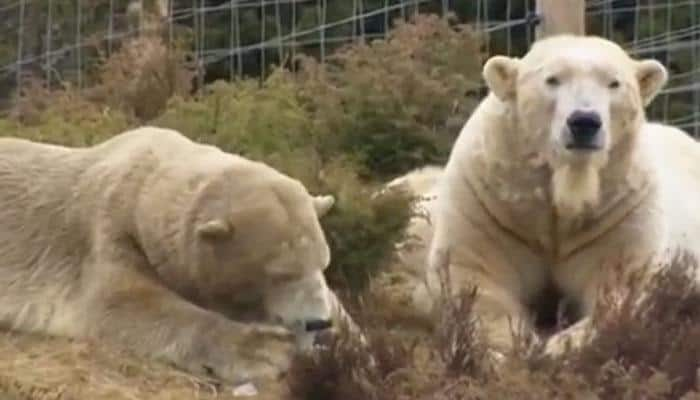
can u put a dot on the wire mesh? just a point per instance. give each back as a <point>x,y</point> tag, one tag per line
<point>62,40</point>
<point>665,30</point>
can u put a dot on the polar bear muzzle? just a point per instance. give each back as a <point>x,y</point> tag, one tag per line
<point>583,131</point>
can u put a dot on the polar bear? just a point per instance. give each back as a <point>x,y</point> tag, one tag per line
<point>555,177</point>
<point>419,181</point>
<point>174,249</point>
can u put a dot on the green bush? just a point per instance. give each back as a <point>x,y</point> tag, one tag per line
<point>391,103</point>
<point>245,118</point>
<point>63,117</point>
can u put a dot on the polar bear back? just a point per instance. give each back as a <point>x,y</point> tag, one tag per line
<point>677,158</point>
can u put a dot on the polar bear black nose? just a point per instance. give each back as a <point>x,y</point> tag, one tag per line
<point>584,127</point>
<point>314,325</point>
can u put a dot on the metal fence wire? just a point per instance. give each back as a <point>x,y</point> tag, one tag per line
<point>57,39</point>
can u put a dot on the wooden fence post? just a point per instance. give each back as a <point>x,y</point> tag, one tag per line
<point>561,16</point>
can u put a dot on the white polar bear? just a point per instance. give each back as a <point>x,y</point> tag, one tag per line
<point>556,176</point>
<point>173,249</point>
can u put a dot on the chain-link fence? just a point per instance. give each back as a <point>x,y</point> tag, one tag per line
<point>61,41</point>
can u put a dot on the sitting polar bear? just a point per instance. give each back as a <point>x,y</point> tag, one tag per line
<point>173,249</point>
<point>555,176</point>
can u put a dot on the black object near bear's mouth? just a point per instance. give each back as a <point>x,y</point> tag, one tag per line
<point>314,325</point>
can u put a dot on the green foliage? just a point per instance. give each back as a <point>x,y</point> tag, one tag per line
<point>362,230</point>
<point>390,102</point>
<point>245,118</point>
<point>65,118</point>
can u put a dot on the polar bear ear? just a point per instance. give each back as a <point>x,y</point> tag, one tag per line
<point>323,204</point>
<point>501,74</point>
<point>652,76</point>
<point>215,228</point>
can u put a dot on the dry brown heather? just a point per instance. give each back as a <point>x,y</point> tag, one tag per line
<point>651,353</point>
<point>38,368</point>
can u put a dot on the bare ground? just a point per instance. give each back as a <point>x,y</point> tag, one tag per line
<point>40,368</point>
<point>648,350</point>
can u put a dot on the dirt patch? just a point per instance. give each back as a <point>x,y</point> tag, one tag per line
<point>39,368</point>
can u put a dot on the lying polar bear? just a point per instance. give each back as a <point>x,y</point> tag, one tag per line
<point>151,241</point>
<point>557,175</point>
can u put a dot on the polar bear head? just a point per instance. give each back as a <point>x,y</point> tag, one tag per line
<point>576,100</point>
<point>255,237</point>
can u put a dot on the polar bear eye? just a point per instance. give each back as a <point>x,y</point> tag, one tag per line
<point>552,81</point>
<point>614,84</point>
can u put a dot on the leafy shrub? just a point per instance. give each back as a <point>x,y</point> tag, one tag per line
<point>248,119</point>
<point>62,117</point>
<point>392,103</point>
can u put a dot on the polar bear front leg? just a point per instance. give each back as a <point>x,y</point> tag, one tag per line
<point>498,314</point>
<point>571,338</point>
<point>239,353</point>
<point>135,312</point>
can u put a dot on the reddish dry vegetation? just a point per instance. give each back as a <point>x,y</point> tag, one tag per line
<point>648,351</point>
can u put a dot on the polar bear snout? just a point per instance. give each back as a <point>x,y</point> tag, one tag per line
<point>583,131</point>
<point>302,304</point>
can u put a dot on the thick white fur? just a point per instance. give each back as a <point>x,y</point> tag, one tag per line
<point>575,189</point>
<point>517,213</point>
<point>170,248</point>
